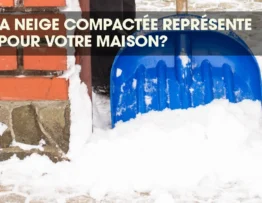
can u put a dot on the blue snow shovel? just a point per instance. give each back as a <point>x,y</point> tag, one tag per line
<point>192,69</point>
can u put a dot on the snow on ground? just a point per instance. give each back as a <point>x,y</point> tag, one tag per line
<point>211,153</point>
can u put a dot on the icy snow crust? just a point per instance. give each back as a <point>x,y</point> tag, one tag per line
<point>212,152</point>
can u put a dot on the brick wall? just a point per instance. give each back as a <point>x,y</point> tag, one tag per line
<point>33,99</point>
<point>33,3</point>
<point>27,61</point>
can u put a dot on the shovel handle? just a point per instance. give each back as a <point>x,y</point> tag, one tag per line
<point>181,6</point>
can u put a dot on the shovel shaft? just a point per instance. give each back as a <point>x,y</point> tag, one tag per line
<point>181,6</point>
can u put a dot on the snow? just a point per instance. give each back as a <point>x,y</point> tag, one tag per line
<point>72,5</point>
<point>118,72</point>
<point>81,109</point>
<point>259,60</point>
<point>80,103</point>
<point>210,153</point>
<point>182,154</point>
<point>164,197</point>
<point>101,111</point>
<point>148,100</point>
<point>185,60</point>
<point>3,128</point>
<point>134,83</point>
<point>81,114</point>
<point>29,147</point>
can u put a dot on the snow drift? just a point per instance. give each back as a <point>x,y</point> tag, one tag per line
<point>188,154</point>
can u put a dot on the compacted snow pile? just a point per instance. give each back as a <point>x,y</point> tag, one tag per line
<point>212,152</point>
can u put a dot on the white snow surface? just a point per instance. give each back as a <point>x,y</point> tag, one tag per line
<point>3,128</point>
<point>185,60</point>
<point>29,147</point>
<point>80,103</point>
<point>209,152</point>
<point>81,114</point>
<point>118,72</point>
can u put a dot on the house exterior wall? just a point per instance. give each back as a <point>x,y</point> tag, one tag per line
<point>34,102</point>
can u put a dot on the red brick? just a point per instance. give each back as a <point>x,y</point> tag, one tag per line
<point>44,3</point>
<point>45,58</point>
<point>6,3</point>
<point>8,58</point>
<point>33,88</point>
